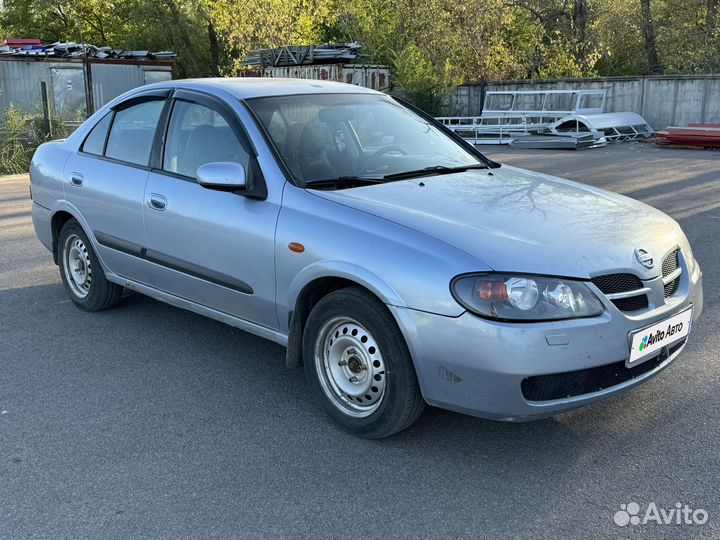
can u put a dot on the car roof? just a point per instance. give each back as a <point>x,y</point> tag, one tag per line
<point>252,87</point>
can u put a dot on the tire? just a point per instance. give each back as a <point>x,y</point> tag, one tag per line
<point>351,335</point>
<point>81,272</point>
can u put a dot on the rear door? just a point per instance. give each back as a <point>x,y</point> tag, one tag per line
<point>215,248</point>
<point>105,181</point>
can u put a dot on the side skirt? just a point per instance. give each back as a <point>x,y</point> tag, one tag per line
<point>177,301</point>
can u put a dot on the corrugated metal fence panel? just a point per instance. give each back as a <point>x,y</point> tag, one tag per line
<point>20,84</point>
<point>662,100</point>
<point>20,87</point>
<point>111,80</point>
<point>369,76</point>
<point>68,91</point>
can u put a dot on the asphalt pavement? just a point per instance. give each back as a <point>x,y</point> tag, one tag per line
<point>147,421</point>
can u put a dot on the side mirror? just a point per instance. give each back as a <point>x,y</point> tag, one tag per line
<point>223,175</point>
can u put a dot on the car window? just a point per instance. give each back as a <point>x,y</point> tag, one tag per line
<point>374,130</point>
<point>95,141</point>
<point>330,136</point>
<point>132,132</point>
<point>198,135</point>
<point>277,127</point>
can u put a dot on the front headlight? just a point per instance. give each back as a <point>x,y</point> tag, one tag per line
<point>525,298</point>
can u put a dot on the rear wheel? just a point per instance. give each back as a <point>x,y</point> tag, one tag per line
<point>81,273</point>
<point>358,365</point>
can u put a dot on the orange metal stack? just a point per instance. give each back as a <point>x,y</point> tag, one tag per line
<point>703,135</point>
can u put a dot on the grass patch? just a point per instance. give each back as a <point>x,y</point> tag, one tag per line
<point>21,133</point>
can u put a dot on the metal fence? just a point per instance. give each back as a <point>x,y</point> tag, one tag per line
<point>368,75</point>
<point>69,80</point>
<point>662,100</point>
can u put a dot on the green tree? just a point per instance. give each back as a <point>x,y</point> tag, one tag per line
<point>431,45</point>
<point>124,24</point>
<point>251,24</point>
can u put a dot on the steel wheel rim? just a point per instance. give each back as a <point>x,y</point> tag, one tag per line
<point>76,265</point>
<point>350,367</point>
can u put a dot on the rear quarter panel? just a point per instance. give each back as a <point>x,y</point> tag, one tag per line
<point>46,182</point>
<point>46,173</point>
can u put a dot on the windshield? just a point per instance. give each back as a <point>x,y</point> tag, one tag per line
<point>342,136</point>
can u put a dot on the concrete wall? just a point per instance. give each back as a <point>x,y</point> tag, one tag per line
<point>662,100</point>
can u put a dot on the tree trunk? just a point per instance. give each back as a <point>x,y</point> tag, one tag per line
<point>654,66</point>
<point>579,20</point>
<point>711,25</point>
<point>579,30</point>
<point>214,50</point>
<point>198,69</point>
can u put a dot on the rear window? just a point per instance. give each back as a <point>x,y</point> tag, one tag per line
<point>133,131</point>
<point>95,141</point>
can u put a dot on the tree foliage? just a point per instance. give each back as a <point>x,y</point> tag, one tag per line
<point>431,44</point>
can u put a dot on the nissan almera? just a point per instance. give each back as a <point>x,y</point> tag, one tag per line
<point>397,264</point>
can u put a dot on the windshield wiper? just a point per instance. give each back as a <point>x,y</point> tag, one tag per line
<point>343,182</point>
<point>355,181</point>
<point>431,171</point>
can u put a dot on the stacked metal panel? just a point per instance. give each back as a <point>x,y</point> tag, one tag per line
<point>302,55</point>
<point>701,135</point>
<point>31,47</point>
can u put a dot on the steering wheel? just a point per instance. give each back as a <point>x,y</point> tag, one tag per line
<point>382,151</point>
<point>391,148</point>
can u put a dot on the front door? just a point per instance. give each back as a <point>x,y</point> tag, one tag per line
<point>212,247</point>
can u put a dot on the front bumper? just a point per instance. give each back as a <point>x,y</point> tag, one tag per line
<point>477,366</point>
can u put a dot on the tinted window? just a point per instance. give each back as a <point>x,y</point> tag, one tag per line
<point>95,141</point>
<point>197,135</point>
<point>132,132</point>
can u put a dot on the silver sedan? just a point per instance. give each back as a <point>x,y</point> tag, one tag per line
<point>395,262</point>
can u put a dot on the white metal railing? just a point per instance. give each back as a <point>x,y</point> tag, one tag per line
<point>564,102</point>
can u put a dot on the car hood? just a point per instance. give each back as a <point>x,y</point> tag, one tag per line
<point>521,221</point>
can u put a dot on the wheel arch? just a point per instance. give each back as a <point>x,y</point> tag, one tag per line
<point>57,221</point>
<point>306,296</point>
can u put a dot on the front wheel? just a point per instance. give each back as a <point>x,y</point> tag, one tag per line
<point>81,272</point>
<point>358,365</point>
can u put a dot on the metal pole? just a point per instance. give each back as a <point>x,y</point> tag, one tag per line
<point>46,109</point>
<point>89,97</point>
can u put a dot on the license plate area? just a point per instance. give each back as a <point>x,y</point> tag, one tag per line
<point>651,340</point>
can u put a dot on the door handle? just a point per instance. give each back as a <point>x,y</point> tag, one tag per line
<point>76,179</point>
<point>157,202</point>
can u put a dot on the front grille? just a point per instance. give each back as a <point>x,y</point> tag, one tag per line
<point>586,381</point>
<point>617,283</point>
<point>620,283</point>
<point>669,265</point>
<point>672,287</point>
<point>633,303</point>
